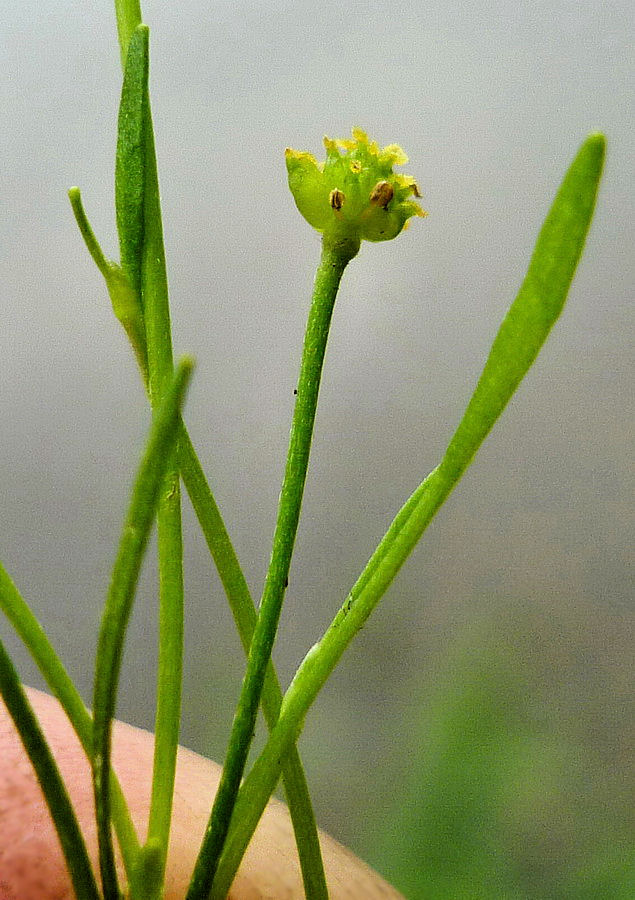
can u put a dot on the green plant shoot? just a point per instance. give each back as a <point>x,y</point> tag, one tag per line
<point>353,196</point>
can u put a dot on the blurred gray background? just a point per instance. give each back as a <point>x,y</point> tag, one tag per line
<point>490,101</point>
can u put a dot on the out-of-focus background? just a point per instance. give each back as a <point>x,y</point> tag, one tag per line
<point>474,740</point>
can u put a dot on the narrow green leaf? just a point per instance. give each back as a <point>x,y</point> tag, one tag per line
<point>154,280</point>
<point>17,611</point>
<point>130,164</point>
<point>522,333</point>
<point>538,304</point>
<point>53,788</point>
<point>134,538</point>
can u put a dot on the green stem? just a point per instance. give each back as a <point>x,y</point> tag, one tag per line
<point>55,794</point>
<point>118,607</point>
<point>334,260</point>
<point>48,662</point>
<point>170,541</point>
<point>128,13</point>
<point>244,613</point>
<point>519,339</point>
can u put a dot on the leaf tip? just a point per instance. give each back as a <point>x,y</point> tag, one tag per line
<point>185,368</point>
<point>598,138</point>
<point>594,147</point>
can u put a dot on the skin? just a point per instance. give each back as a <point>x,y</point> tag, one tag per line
<point>31,862</point>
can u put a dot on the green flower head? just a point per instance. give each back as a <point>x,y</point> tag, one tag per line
<point>354,194</point>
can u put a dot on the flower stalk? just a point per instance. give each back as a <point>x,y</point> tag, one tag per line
<point>329,274</point>
<point>351,197</point>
